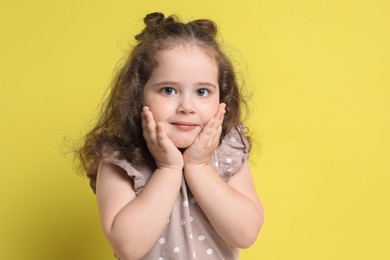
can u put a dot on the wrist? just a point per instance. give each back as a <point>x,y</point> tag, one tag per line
<point>196,167</point>
<point>172,168</point>
<point>198,162</point>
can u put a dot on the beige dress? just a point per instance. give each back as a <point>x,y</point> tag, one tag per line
<point>188,233</point>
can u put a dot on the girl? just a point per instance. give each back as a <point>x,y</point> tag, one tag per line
<point>168,157</point>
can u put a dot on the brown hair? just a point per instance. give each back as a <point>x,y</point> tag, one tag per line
<point>119,126</point>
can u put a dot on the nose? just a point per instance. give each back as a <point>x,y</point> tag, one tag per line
<point>186,105</point>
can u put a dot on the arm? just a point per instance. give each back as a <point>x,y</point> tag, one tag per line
<point>132,224</point>
<point>232,208</point>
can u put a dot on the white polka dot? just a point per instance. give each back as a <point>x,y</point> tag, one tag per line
<point>238,153</point>
<point>185,203</point>
<point>183,222</point>
<point>162,241</point>
<point>223,141</point>
<point>193,200</point>
<point>194,254</point>
<point>191,219</point>
<point>209,251</point>
<point>230,169</point>
<point>233,139</point>
<point>190,236</point>
<point>176,249</point>
<point>161,258</point>
<point>229,160</point>
<point>201,237</point>
<point>216,164</point>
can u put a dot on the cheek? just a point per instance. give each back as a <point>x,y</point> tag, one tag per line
<point>209,110</point>
<point>160,109</point>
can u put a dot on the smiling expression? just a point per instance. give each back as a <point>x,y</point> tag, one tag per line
<point>183,92</point>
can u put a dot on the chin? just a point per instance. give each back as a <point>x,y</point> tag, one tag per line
<point>182,144</point>
<point>182,140</point>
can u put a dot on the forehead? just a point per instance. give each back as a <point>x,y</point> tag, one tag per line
<point>186,56</point>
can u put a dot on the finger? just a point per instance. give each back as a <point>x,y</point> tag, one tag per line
<point>213,128</point>
<point>143,117</point>
<point>149,125</point>
<point>221,110</point>
<point>162,137</point>
<point>208,135</point>
<point>220,115</point>
<point>216,122</point>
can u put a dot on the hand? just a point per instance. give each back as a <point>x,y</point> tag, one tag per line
<point>200,151</point>
<point>164,152</point>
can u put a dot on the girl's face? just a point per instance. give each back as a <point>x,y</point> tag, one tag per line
<point>182,92</point>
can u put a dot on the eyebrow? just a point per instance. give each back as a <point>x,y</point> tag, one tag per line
<point>165,83</point>
<point>173,83</point>
<point>207,84</point>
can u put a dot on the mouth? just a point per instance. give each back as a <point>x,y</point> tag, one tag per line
<point>186,126</point>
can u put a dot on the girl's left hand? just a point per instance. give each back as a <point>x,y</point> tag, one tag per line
<point>200,151</point>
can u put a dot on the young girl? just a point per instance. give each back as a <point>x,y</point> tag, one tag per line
<point>168,157</point>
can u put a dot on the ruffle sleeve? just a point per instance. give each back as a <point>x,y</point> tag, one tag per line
<point>139,179</point>
<point>232,153</point>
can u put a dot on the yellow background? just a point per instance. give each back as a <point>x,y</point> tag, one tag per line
<point>319,73</point>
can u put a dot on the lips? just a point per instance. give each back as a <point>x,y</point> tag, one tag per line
<point>186,126</point>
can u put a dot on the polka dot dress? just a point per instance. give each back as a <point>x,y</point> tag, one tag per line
<point>188,234</point>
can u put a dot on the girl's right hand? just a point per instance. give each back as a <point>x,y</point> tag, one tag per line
<point>164,152</point>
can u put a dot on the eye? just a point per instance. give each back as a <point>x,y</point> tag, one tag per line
<point>202,92</point>
<point>168,91</point>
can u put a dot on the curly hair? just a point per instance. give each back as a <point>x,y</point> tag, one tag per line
<point>119,126</point>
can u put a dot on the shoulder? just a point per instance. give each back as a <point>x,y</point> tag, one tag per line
<point>236,139</point>
<point>232,153</point>
<point>138,176</point>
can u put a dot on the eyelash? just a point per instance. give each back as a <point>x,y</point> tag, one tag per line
<point>173,91</point>
<point>203,89</point>
<point>163,90</point>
